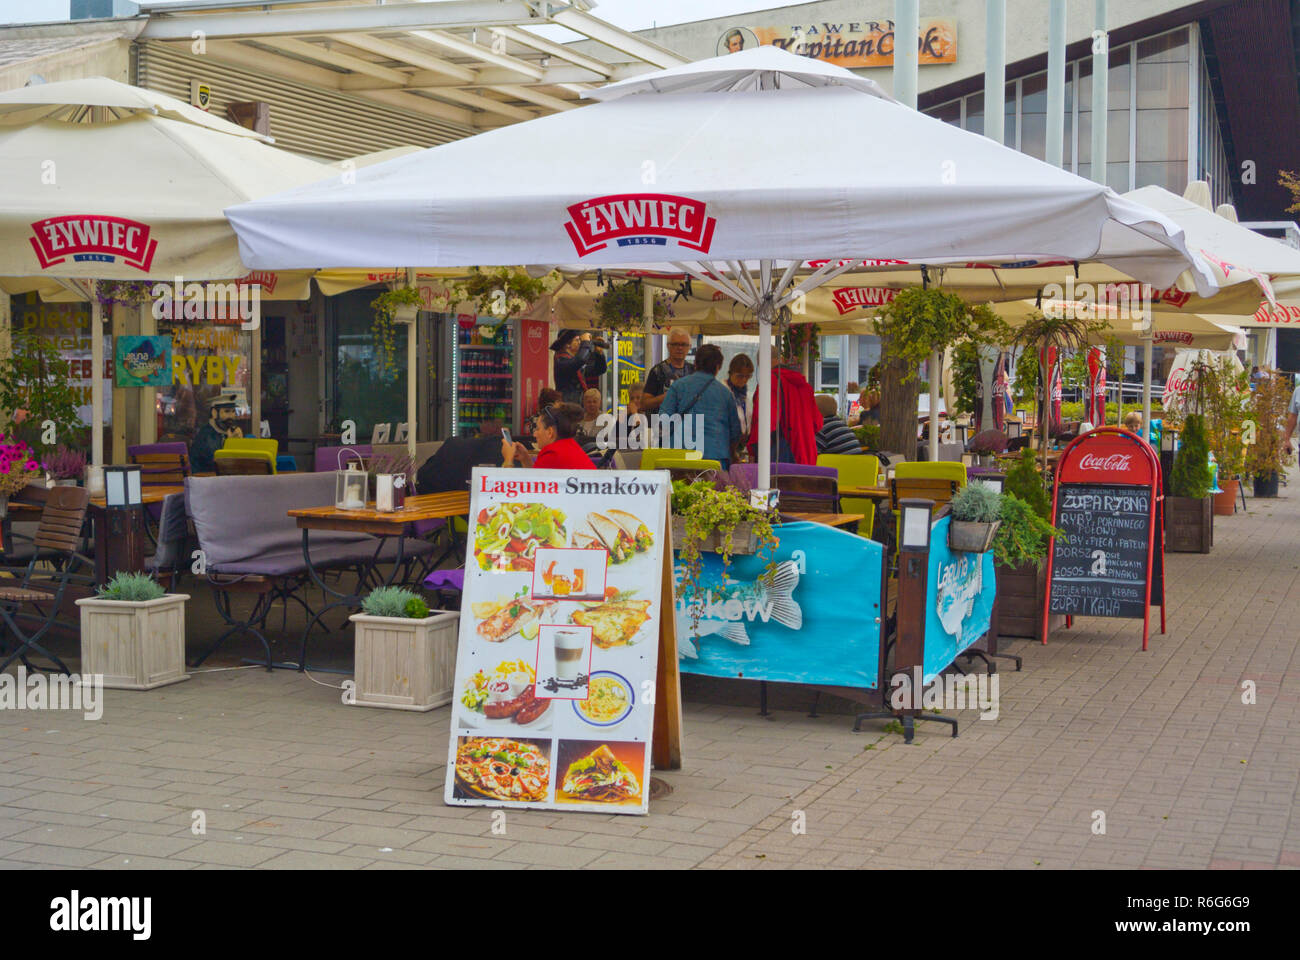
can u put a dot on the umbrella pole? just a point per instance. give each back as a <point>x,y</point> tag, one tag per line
<point>411,365</point>
<point>765,310</point>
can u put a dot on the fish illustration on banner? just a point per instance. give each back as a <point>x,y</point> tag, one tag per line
<point>809,613</point>
<point>721,612</point>
<point>960,606</point>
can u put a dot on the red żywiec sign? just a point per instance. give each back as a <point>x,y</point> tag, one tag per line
<point>848,299</point>
<point>632,219</point>
<point>94,239</point>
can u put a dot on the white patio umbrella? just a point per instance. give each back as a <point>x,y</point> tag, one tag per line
<point>136,196</point>
<point>719,177</point>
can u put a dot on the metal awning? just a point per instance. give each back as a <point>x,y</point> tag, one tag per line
<point>476,63</point>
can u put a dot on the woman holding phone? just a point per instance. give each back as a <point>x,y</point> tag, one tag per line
<point>557,425</point>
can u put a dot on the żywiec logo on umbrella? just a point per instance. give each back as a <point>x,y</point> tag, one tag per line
<point>631,219</point>
<point>91,238</point>
<point>848,299</point>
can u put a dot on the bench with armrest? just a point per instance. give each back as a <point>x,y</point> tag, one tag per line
<point>250,545</point>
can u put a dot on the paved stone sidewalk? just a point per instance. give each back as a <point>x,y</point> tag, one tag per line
<point>1185,774</point>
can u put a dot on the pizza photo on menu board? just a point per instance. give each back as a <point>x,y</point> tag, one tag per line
<point>558,642</point>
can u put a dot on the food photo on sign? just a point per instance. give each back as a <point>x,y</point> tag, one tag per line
<point>556,659</point>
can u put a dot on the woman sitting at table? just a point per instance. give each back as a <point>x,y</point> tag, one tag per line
<point>557,425</point>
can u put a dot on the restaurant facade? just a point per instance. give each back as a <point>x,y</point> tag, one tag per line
<point>1196,91</point>
<point>316,362</point>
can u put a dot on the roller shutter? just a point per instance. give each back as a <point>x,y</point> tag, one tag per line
<point>319,123</point>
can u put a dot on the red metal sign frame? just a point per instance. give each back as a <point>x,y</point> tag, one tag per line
<point>1120,458</point>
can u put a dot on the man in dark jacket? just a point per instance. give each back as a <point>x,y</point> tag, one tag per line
<point>579,363</point>
<point>835,435</point>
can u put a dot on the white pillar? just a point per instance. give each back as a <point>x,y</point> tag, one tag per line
<point>906,31</point>
<point>1100,78</point>
<point>995,68</point>
<point>1056,84</point>
<point>1146,374</point>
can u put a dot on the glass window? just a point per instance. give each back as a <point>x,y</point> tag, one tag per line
<point>1166,48</point>
<point>1162,134</point>
<point>869,351</point>
<point>1172,175</point>
<point>1009,123</point>
<point>365,390</point>
<point>1033,116</point>
<point>975,113</point>
<point>947,112</point>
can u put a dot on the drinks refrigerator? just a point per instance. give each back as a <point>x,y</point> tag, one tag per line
<point>486,381</point>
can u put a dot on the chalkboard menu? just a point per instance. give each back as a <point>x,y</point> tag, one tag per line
<point>1100,568</point>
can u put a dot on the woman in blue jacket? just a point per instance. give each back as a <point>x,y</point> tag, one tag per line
<point>701,394</point>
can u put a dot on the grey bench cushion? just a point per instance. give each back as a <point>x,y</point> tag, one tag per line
<point>246,517</point>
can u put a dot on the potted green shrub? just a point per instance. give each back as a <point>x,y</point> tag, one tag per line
<point>976,515</point>
<point>714,518</point>
<point>1189,508</point>
<point>405,654</point>
<point>1222,392</point>
<point>1266,458</point>
<point>1019,551</point>
<point>133,633</point>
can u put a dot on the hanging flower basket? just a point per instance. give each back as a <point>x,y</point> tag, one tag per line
<point>622,307</point>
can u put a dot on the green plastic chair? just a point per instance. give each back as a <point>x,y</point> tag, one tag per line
<point>862,470</point>
<point>244,446</point>
<point>651,457</point>
<point>246,457</point>
<point>926,470</point>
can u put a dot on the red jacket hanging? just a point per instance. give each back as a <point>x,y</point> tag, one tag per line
<point>797,417</point>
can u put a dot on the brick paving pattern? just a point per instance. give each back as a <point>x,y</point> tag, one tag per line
<point>1185,774</point>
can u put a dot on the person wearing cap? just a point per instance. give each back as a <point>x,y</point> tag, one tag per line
<point>578,363</point>
<point>211,437</point>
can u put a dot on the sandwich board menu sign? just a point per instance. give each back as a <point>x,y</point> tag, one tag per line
<point>553,706</point>
<point>1107,500</point>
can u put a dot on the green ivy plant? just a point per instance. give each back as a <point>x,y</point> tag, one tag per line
<point>965,378</point>
<point>796,337</point>
<point>131,588</point>
<point>386,306</point>
<point>706,510</point>
<point>36,378</point>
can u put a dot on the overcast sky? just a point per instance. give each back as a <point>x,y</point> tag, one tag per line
<point>628,14</point>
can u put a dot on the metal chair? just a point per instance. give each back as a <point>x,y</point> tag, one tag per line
<point>57,539</point>
<point>168,559</point>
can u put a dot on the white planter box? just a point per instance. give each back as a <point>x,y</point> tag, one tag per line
<point>134,645</point>
<point>405,664</point>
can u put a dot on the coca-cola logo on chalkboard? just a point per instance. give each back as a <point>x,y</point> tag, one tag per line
<point>1113,462</point>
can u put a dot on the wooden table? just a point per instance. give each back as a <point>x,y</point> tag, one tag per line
<point>429,506</point>
<point>830,519</point>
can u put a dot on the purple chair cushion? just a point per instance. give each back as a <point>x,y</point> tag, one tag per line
<point>327,458</point>
<point>327,556</point>
<point>745,475</point>
<point>446,579</point>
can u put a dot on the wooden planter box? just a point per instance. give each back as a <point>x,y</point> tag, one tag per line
<point>405,664</point>
<point>1189,524</point>
<point>743,539</point>
<point>1022,591</point>
<point>135,646</point>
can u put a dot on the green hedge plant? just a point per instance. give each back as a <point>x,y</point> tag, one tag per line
<point>977,503</point>
<point>1192,474</point>
<point>394,602</point>
<point>132,588</point>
